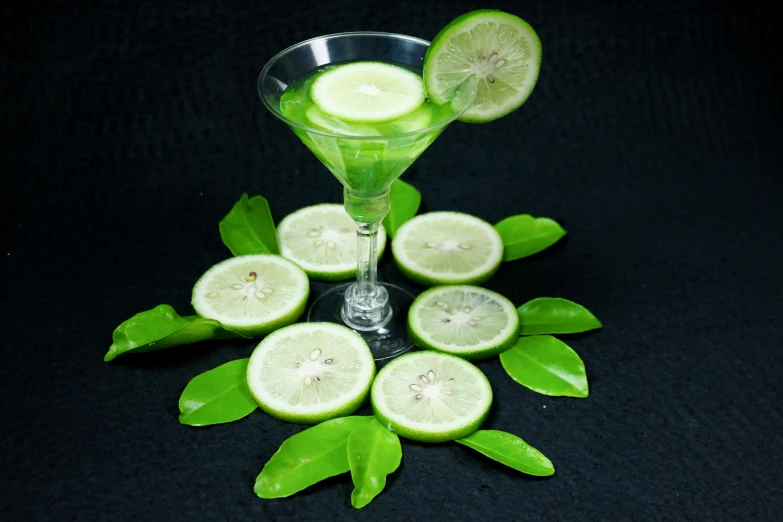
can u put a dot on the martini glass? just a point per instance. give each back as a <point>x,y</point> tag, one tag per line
<point>366,164</point>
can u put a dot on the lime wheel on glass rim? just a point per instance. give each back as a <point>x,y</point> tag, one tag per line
<point>498,51</point>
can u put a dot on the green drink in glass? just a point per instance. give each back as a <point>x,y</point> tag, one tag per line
<point>366,166</point>
<point>357,101</point>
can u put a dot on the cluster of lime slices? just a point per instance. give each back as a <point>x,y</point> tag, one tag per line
<point>311,372</point>
<point>495,54</point>
<point>316,371</point>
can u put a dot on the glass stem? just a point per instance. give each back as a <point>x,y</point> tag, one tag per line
<point>366,304</point>
<point>367,259</point>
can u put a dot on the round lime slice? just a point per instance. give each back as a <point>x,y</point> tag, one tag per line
<point>447,248</point>
<point>416,120</point>
<point>467,321</point>
<point>310,372</point>
<point>431,396</point>
<point>252,294</point>
<point>322,240</point>
<point>367,92</point>
<point>328,123</point>
<point>499,51</point>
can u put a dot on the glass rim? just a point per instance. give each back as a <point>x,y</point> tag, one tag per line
<point>314,130</point>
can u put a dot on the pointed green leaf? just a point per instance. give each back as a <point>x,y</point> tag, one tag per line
<point>217,396</point>
<point>373,453</point>
<point>308,457</point>
<point>552,315</point>
<point>546,365</point>
<point>523,235</point>
<point>405,201</point>
<point>510,450</point>
<point>249,229</point>
<point>160,328</point>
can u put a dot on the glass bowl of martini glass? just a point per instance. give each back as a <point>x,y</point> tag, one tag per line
<point>357,101</point>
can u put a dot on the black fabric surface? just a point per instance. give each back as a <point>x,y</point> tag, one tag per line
<point>129,129</point>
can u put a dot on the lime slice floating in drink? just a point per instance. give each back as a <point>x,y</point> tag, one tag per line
<point>500,51</point>
<point>467,321</point>
<point>253,294</point>
<point>322,240</point>
<point>416,120</point>
<point>447,248</point>
<point>311,372</point>
<point>367,92</point>
<point>328,123</point>
<point>431,396</point>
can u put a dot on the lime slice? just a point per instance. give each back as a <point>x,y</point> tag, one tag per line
<point>447,248</point>
<point>417,120</point>
<point>322,240</point>
<point>253,294</point>
<point>431,397</point>
<point>289,101</point>
<point>500,51</point>
<point>310,372</point>
<point>367,92</point>
<point>467,321</point>
<point>328,123</point>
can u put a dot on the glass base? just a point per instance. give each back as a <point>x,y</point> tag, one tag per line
<point>387,341</point>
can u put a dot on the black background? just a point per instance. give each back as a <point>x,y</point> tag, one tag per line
<point>130,128</point>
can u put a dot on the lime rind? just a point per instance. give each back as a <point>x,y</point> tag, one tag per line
<point>431,396</point>
<point>252,294</point>
<point>499,52</point>
<point>311,372</point>
<point>321,239</point>
<point>447,248</point>
<point>467,321</point>
<point>367,92</point>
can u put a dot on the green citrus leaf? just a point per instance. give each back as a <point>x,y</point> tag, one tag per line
<point>162,327</point>
<point>373,453</point>
<point>248,228</point>
<point>217,396</point>
<point>405,201</point>
<point>510,450</point>
<point>523,235</point>
<point>553,315</point>
<point>308,457</point>
<point>546,365</point>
